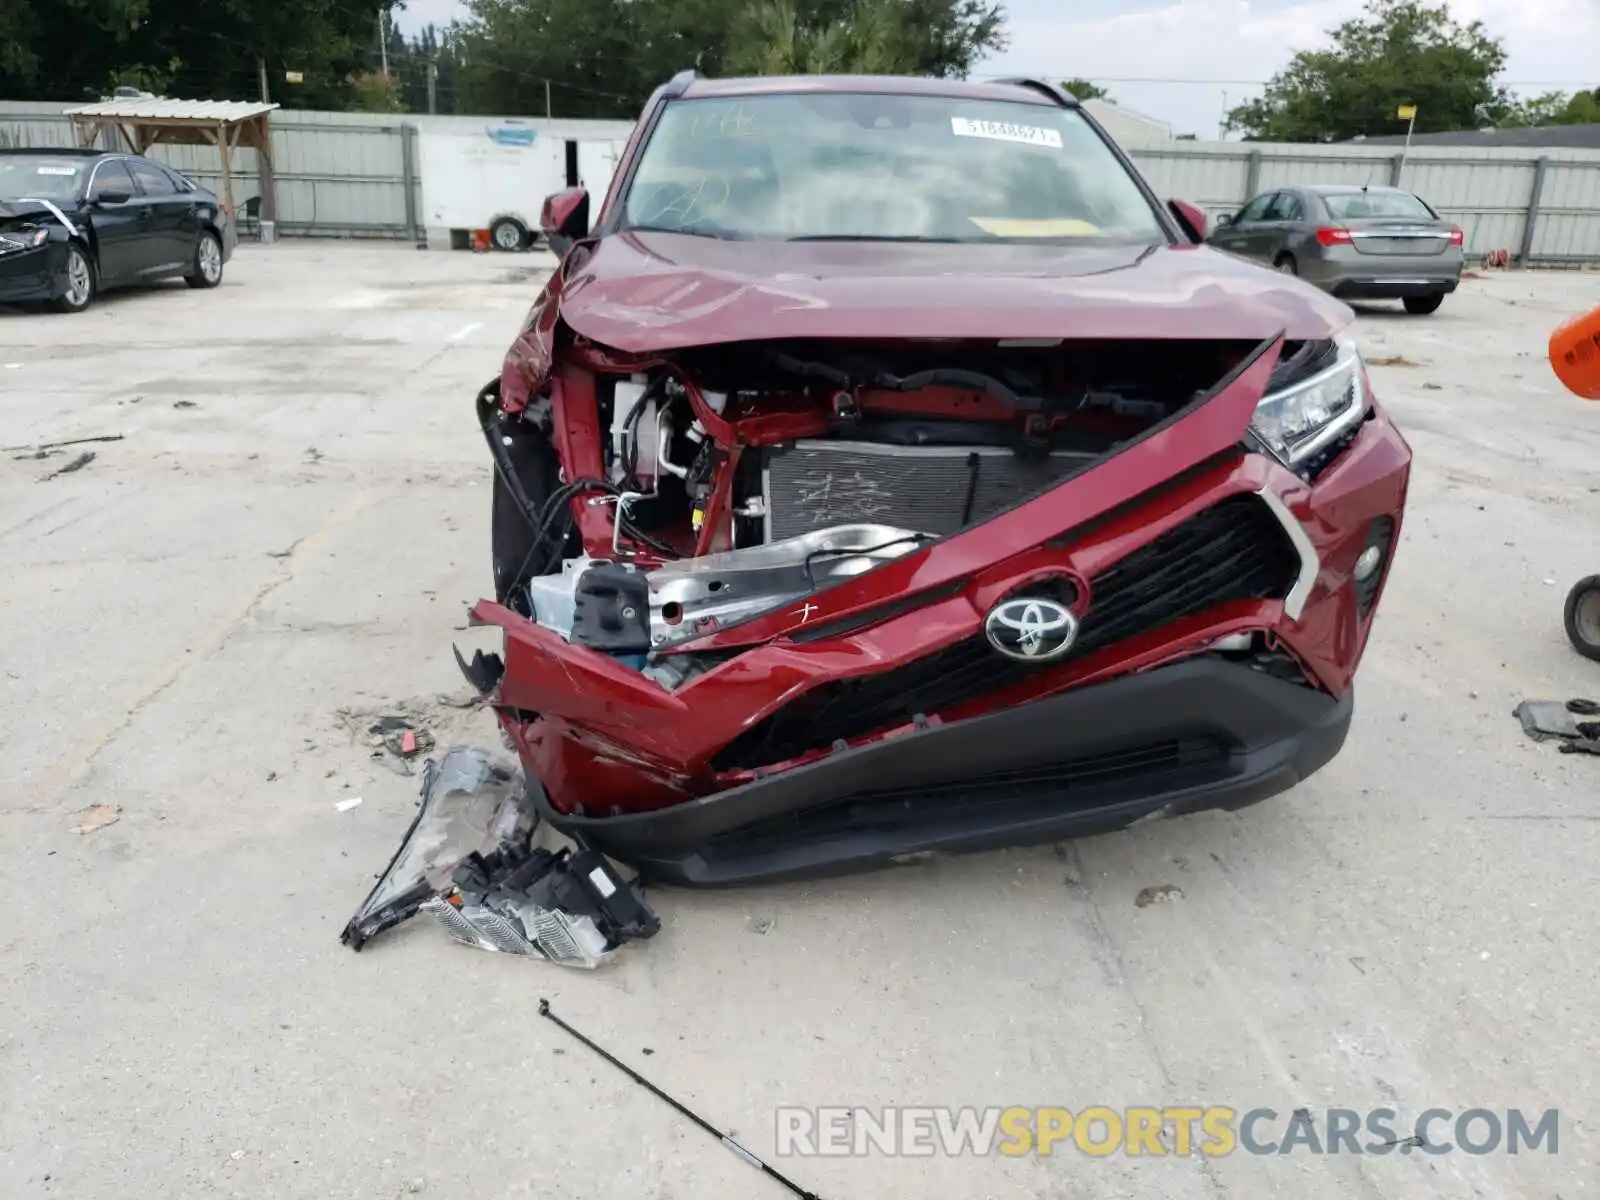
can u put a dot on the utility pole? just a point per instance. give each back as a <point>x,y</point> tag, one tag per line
<point>546,99</point>
<point>383,44</point>
<point>261,74</point>
<point>433,87</point>
<point>1408,113</point>
<point>1222,121</point>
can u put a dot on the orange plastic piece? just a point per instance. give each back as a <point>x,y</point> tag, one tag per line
<point>480,241</point>
<point>1575,355</point>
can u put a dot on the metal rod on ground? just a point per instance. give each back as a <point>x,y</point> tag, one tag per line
<point>544,1011</point>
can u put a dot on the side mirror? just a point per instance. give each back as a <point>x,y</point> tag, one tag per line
<point>564,219</point>
<point>111,199</point>
<point>1191,219</point>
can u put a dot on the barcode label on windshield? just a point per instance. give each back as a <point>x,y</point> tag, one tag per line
<point>56,171</point>
<point>1004,131</point>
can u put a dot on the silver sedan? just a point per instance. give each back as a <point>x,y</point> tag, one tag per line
<point>1359,243</point>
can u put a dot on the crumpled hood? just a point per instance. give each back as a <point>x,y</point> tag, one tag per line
<point>16,215</point>
<point>648,292</point>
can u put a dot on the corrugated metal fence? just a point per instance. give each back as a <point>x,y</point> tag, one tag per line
<point>355,175</point>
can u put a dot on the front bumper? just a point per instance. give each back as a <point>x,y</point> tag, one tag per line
<point>30,276</point>
<point>1195,735</point>
<point>857,716</point>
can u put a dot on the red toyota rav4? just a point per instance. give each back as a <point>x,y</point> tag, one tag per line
<point>887,471</point>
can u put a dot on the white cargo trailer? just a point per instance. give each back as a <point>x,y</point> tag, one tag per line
<point>494,173</point>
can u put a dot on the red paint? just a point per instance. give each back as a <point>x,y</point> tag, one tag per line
<point>566,213</point>
<point>1192,216</point>
<point>602,736</point>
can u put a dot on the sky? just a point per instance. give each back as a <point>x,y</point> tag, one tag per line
<point>1216,53</point>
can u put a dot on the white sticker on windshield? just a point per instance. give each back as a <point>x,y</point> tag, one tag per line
<point>55,170</point>
<point>1005,131</point>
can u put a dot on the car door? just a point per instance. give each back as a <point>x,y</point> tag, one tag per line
<point>170,211</point>
<point>123,247</point>
<point>1238,235</point>
<point>1277,226</point>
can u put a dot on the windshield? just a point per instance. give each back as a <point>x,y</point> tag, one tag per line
<point>857,166</point>
<point>40,177</point>
<point>1353,206</point>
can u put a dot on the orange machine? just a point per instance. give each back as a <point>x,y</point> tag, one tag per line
<point>1575,355</point>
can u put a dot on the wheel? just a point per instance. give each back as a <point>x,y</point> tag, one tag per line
<point>80,282</point>
<point>1582,617</point>
<point>508,233</point>
<point>1421,306</point>
<point>1286,264</point>
<point>206,271</point>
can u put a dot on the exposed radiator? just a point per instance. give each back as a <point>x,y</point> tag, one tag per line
<point>931,489</point>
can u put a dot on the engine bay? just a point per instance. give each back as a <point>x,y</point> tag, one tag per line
<point>726,481</point>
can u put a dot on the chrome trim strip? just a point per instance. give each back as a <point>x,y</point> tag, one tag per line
<point>1438,234</point>
<point>1310,565</point>
<point>54,211</point>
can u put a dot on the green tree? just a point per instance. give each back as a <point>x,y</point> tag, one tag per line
<point>376,92</point>
<point>78,49</point>
<point>1084,90</point>
<point>1397,52</point>
<point>603,58</point>
<point>1553,108</point>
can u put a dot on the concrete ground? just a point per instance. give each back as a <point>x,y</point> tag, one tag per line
<point>292,525</point>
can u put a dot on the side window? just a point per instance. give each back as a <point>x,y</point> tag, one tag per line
<point>1285,207</point>
<point>182,182</point>
<point>111,176</point>
<point>153,181</point>
<point>1254,210</point>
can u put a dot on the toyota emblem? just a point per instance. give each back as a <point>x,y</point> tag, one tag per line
<point>1031,628</point>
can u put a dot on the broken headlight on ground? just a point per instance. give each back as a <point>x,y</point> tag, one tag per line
<point>468,859</point>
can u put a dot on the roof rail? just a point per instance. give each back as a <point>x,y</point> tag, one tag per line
<point>679,83</point>
<point>1060,95</point>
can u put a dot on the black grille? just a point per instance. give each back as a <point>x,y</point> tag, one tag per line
<point>1080,784</point>
<point>1381,536</point>
<point>1235,550</point>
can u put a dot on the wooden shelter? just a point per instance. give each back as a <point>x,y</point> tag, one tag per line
<point>226,124</point>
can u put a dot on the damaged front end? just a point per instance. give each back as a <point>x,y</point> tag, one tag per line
<point>729,576</point>
<point>469,860</point>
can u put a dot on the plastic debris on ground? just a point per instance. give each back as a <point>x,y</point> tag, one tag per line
<point>398,737</point>
<point>98,816</point>
<point>1556,720</point>
<point>468,860</point>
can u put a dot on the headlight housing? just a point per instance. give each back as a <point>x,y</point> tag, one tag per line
<point>1299,421</point>
<point>25,239</point>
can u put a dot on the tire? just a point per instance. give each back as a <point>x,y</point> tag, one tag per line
<point>1421,306</point>
<point>508,234</point>
<point>1286,264</point>
<point>80,282</point>
<point>206,269</point>
<point>1581,616</point>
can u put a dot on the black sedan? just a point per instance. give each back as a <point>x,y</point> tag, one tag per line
<point>74,223</point>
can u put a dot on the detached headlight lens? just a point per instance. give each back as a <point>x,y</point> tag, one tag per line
<point>1304,418</point>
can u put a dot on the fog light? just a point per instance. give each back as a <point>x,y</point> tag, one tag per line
<point>1371,558</point>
